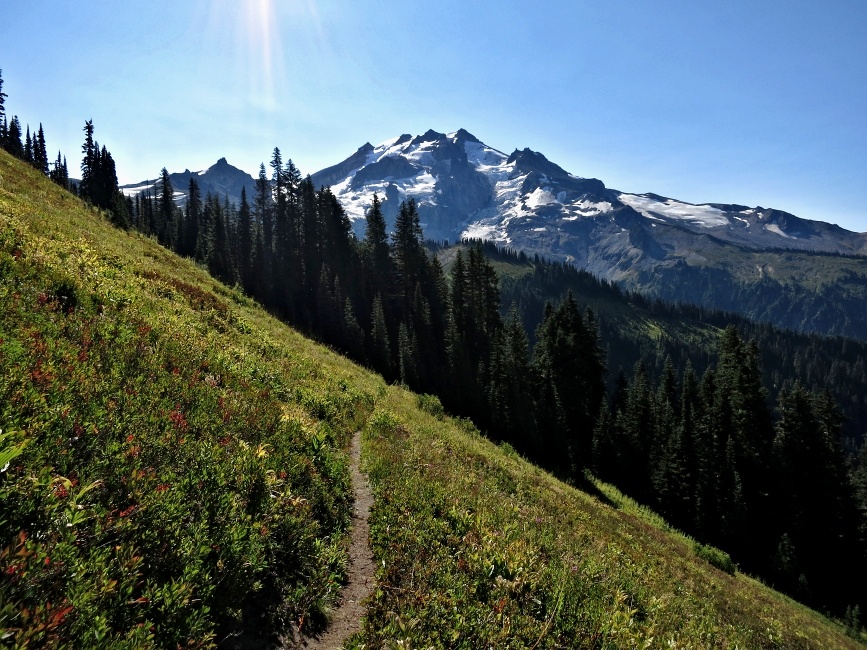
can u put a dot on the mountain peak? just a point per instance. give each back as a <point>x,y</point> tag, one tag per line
<point>527,160</point>
<point>428,136</point>
<point>462,135</point>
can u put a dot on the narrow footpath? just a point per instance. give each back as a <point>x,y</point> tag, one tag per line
<point>346,619</point>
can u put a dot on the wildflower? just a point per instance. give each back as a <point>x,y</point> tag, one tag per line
<point>178,419</point>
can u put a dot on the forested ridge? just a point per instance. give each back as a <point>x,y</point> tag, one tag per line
<point>690,431</point>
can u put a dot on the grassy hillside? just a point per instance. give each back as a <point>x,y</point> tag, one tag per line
<point>479,549</point>
<point>180,469</point>
<point>182,460</point>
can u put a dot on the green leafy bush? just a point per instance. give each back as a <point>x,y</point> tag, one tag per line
<point>715,557</point>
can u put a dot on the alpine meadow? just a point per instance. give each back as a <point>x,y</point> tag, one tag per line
<point>434,395</point>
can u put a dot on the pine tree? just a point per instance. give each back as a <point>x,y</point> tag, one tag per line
<point>376,250</point>
<point>13,138</point>
<point>328,314</point>
<point>244,253</point>
<point>59,174</point>
<point>812,495</point>
<point>408,251</point>
<point>511,387</point>
<point>567,356</point>
<point>380,352</point>
<point>167,234</point>
<point>354,339</point>
<point>40,153</point>
<point>28,147</point>
<point>88,163</point>
<point>407,356</point>
<point>744,431</point>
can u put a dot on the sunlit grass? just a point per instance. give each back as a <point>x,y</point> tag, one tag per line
<point>478,548</point>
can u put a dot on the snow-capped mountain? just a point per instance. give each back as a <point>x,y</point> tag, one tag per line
<point>465,188</point>
<point>766,264</point>
<point>220,179</point>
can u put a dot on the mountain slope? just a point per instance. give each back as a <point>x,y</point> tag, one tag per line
<point>480,549</point>
<point>181,468</point>
<point>766,264</point>
<point>465,188</point>
<point>632,327</point>
<point>220,179</point>
<point>180,405</point>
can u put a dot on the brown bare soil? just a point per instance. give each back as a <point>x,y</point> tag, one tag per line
<point>346,619</point>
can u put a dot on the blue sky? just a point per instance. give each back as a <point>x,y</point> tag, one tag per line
<point>759,103</point>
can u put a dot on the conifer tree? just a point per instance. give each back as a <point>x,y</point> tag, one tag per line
<point>167,233</point>
<point>244,253</point>
<point>13,138</point>
<point>263,217</point>
<point>88,163</point>
<point>376,250</point>
<point>40,153</point>
<point>567,356</point>
<point>380,353</point>
<point>328,313</point>
<point>407,356</point>
<point>60,174</point>
<point>605,449</point>
<point>354,339</point>
<point>407,250</point>
<point>511,388</point>
<point>28,147</point>
<point>813,496</point>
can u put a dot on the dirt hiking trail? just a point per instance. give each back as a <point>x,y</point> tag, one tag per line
<point>346,619</point>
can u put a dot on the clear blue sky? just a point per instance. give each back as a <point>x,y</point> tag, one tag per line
<point>759,102</point>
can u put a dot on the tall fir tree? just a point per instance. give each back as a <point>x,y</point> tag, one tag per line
<point>28,147</point>
<point>13,138</point>
<point>40,153</point>
<point>244,253</point>
<point>88,162</point>
<point>380,345</point>
<point>167,233</point>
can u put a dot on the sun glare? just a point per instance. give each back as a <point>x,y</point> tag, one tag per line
<point>261,37</point>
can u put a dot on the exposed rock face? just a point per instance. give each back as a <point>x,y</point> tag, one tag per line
<point>711,254</point>
<point>221,179</point>
<point>466,189</point>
